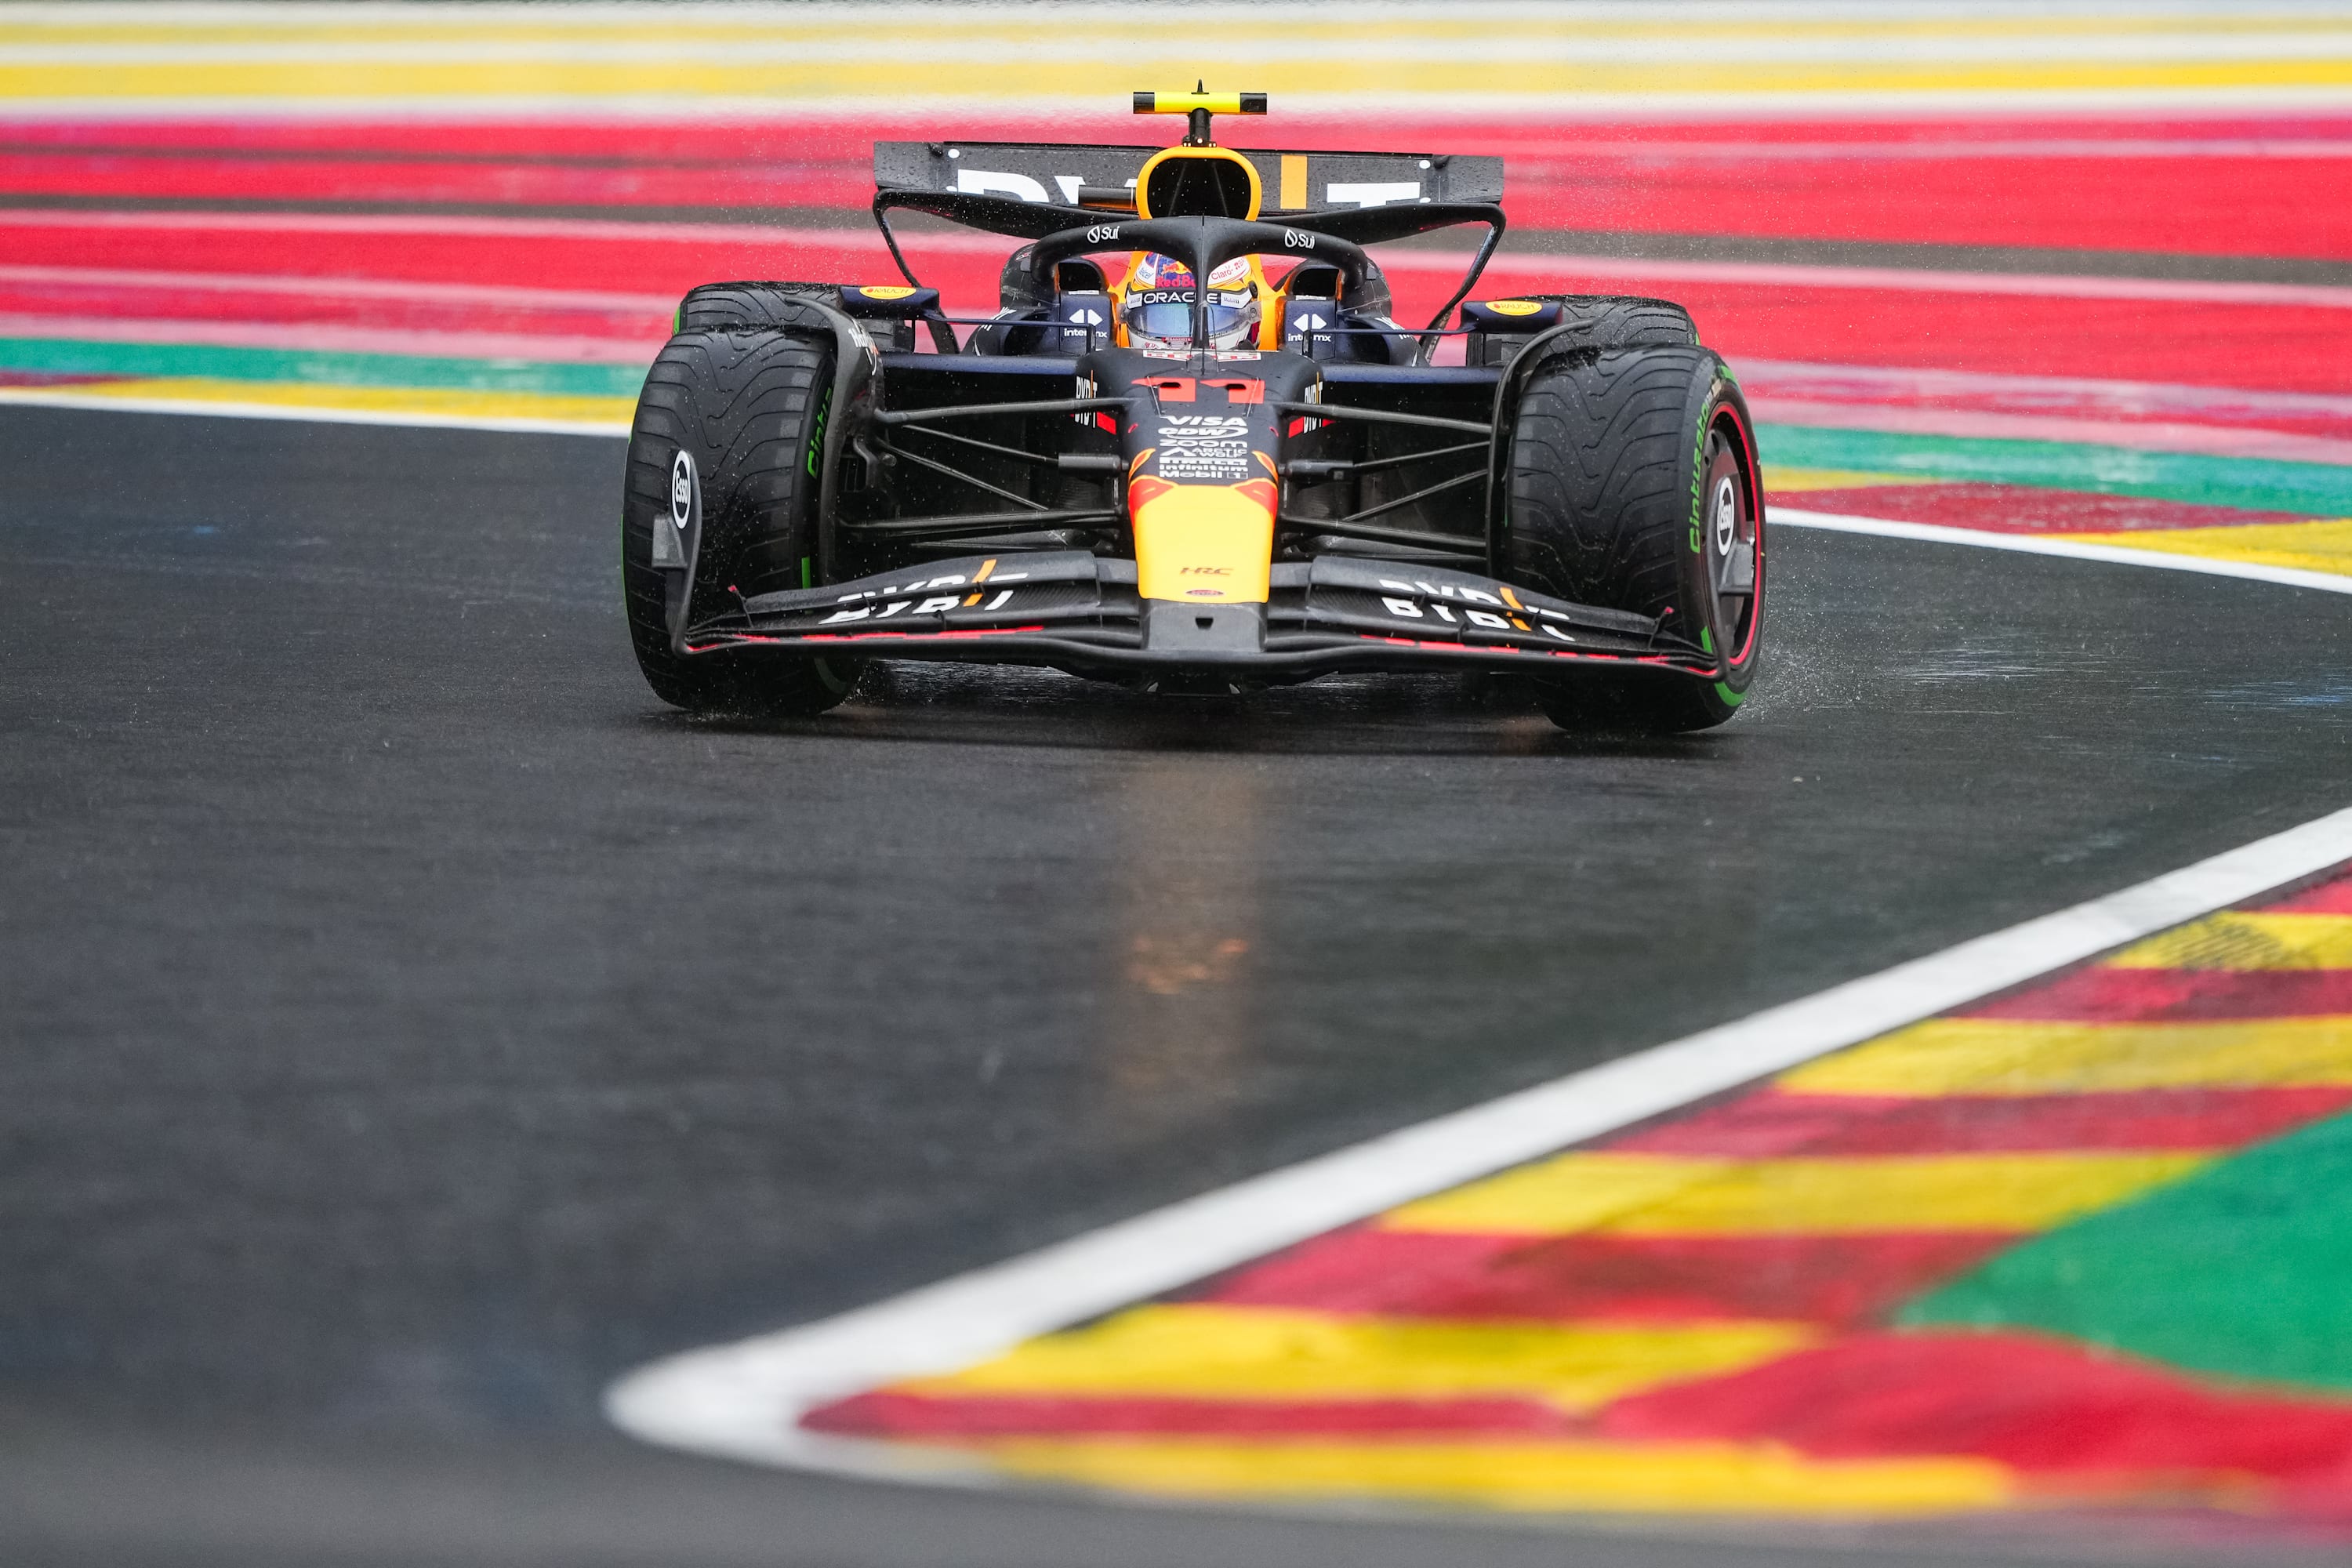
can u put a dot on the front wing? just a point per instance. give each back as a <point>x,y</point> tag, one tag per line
<point>1078,612</point>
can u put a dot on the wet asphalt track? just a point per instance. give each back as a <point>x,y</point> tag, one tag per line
<point>410,1024</point>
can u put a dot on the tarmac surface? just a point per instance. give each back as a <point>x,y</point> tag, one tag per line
<point>413,1025</point>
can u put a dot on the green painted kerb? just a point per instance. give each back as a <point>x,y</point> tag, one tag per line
<point>2243,1269</point>
<point>67,356</point>
<point>2320,489</point>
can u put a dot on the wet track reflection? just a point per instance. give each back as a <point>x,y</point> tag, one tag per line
<point>651,1031</point>
<point>1185,1022</point>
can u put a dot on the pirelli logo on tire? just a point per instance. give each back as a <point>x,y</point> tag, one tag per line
<point>1714,394</point>
<point>817,430</point>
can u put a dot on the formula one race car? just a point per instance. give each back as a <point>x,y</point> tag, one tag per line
<point>1192,452</point>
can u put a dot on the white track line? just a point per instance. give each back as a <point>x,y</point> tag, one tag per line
<point>741,1401</point>
<point>611,348</point>
<point>1789,517</point>
<point>581,300</point>
<point>43,398</point>
<point>2048,544</point>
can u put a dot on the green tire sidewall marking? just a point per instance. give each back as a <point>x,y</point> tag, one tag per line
<point>816,430</point>
<point>1707,409</point>
<point>1698,467</point>
<point>1730,698</point>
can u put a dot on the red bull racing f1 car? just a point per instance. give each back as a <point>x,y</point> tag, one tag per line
<point>1193,451</point>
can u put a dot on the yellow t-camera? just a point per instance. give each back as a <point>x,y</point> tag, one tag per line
<point>1197,105</point>
<point>1214,103</point>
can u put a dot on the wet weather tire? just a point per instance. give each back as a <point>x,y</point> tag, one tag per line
<point>750,405</point>
<point>1624,321</point>
<point>1633,486</point>
<point>725,307</point>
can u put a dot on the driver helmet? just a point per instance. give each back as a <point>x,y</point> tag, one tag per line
<point>1157,308</point>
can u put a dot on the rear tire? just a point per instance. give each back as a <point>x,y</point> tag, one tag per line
<point>1634,487</point>
<point>750,405</point>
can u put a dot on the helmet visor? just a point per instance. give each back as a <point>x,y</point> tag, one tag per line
<point>1170,321</point>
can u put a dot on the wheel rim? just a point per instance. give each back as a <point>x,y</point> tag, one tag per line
<point>1728,530</point>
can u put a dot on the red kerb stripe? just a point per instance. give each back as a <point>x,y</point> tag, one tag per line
<point>2042,1405</point>
<point>1767,1124</point>
<point>2327,899</point>
<point>2179,995</point>
<point>918,1416</point>
<point>1818,1278</point>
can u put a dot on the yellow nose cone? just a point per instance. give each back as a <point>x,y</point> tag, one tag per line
<point>1203,544</point>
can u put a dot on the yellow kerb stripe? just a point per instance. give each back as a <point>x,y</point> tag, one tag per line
<point>447,402</point>
<point>2321,546</point>
<point>2245,942</point>
<point>1566,1193</point>
<point>1045,73</point>
<point>1778,477</point>
<point>1209,1351</point>
<point>2003,1055</point>
<point>254,24</point>
<point>1602,1477</point>
<point>1628,1194</point>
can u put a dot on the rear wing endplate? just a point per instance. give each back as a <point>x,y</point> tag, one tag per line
<point>1051,173</point>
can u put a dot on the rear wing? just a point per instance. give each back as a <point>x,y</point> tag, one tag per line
<point>1055,174</point>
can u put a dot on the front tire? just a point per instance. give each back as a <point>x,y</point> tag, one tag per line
<point>1633,486</point>
<point>1599,322</point>
<point>750,405</point>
